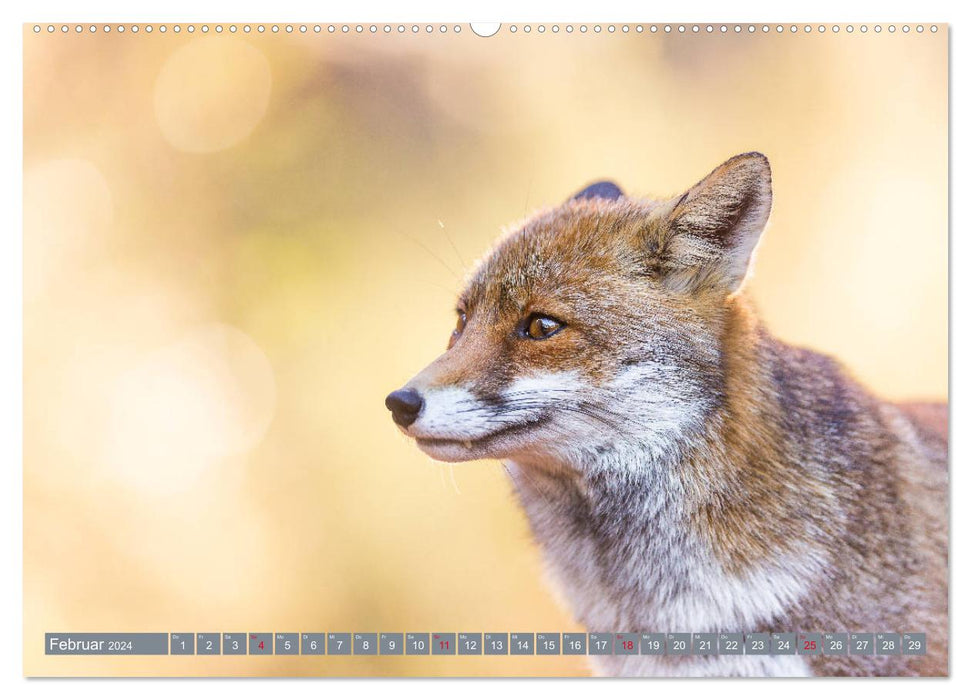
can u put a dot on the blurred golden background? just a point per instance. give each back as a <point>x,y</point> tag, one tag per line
<point>235,246</point>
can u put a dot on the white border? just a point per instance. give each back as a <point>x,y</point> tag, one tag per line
<point>603,11</point>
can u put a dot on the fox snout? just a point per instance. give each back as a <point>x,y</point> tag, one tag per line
<point>405,405</point>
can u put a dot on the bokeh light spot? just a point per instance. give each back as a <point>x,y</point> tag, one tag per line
<point>211,93</point>
<point>184,407</point>
<point>67,209</point>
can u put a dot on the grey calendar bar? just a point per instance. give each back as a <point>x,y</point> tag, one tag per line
<point>483,643</point>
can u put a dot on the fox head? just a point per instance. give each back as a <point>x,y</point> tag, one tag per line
<point>594,324</point>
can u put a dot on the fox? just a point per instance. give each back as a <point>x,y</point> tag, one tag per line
<point>681,469</point>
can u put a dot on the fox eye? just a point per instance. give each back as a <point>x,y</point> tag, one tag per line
<point>459,327</point>
<point>539,327</point>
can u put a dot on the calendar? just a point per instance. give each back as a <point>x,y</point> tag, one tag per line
<point>479,643</point>
<point>343,338</point>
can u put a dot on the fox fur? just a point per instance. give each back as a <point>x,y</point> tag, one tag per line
<point>682,469</point>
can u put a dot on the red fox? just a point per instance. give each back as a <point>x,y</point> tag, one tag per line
<point>681,469</point>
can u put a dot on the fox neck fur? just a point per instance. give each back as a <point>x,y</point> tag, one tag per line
<point>756,523</point>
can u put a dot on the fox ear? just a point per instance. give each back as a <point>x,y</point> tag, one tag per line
<point>713,228</point>
<point>599,190</point>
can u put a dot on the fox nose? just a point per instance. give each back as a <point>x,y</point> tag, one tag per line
<point>405,405</point>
